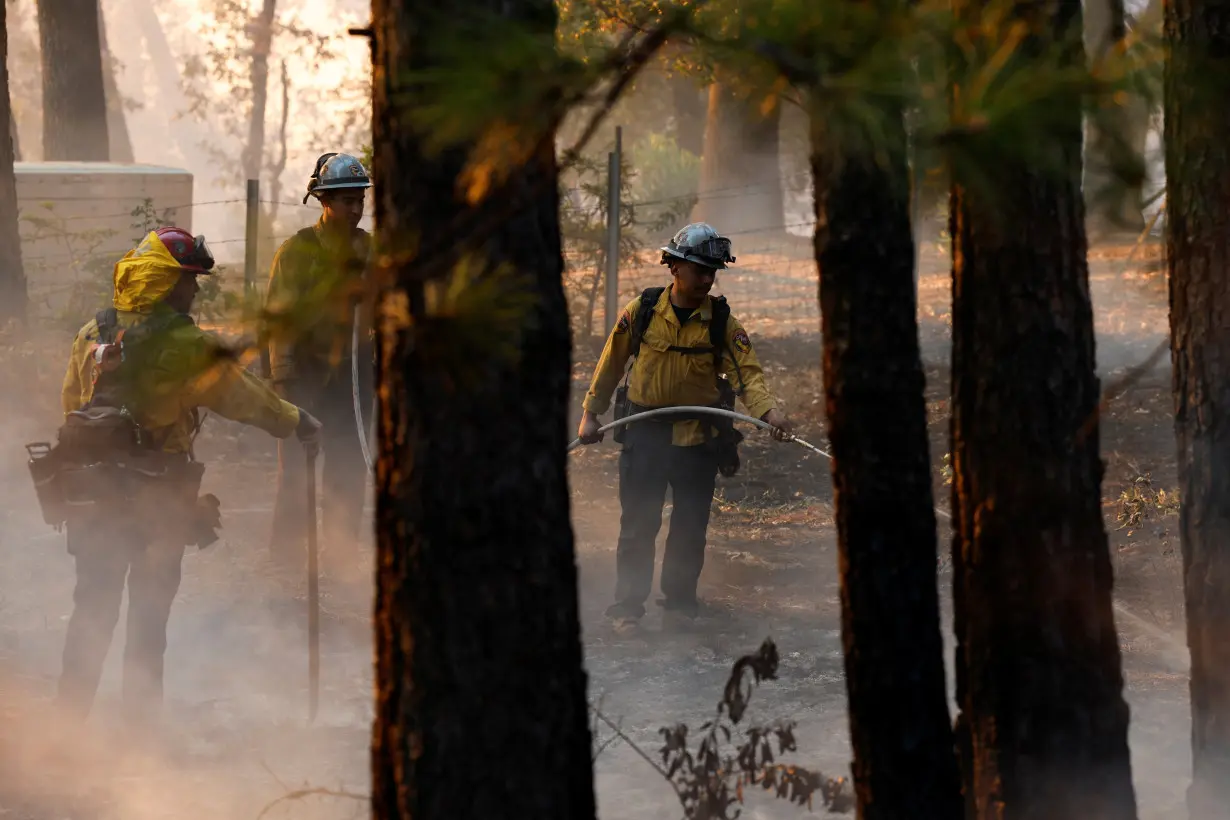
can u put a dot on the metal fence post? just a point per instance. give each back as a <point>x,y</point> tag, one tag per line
<point>251,248</point>
<point>614,162</point>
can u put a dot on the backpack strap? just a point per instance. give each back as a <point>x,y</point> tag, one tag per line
<point>108,321</point>
<point>644,315</point>
<point>717,337</point>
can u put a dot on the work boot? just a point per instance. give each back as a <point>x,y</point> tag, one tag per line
<point>624,613</point>
<point>689,609</point>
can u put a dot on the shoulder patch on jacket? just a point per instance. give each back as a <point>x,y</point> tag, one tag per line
<point>741,341</point>
<point>625,322</point>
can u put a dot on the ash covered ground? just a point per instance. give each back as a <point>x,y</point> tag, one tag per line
<point>236,663</point>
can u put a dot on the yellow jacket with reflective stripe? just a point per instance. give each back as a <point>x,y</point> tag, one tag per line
<point>661,377</point>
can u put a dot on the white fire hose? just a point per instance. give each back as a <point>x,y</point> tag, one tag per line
<point>647,414</point>
<point>364,433</point>
<point>711,411</point>
<point>717,411</point>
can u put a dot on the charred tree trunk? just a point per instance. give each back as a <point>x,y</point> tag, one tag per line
<point>13,293</point>
<point>478,650</point>
<point>117,124</point>
<point>1198,254</point>
<point>740,172</point>
<point>1043,723</point>
<point>904,758</point>
<point>262,43</point>
<point>74,98</point>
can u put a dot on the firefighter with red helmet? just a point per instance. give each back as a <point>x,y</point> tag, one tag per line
<point>315,284</point>
<point>139,375</point>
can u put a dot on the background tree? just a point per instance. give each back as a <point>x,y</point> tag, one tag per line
<point>1043,723</point>
<point>478,650</point>
<point>262,42</point>
<point>12,273</point>
<point>74,97</point>
<point>1198,258</point>
<point>740,176</point>
<point>902,739</point>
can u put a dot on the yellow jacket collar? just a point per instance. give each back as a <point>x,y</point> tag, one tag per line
<point>663,308</point>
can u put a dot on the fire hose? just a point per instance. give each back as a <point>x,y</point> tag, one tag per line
<point>647,414</point>
<point>718,411</point>
<point>356,394</point>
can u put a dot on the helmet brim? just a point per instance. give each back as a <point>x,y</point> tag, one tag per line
<point>339,186</point>
<point>703,261</point>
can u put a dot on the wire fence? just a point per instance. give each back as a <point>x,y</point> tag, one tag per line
<point>773,281</point>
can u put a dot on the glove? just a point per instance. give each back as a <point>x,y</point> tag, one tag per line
<point>308,431</point>
<point>206,522</point>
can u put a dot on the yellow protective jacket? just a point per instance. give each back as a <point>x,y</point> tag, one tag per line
<point>661,377</point>
<point>187,370</point>
<point>314,284</point>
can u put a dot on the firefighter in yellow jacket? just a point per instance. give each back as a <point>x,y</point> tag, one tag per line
<point>315,284</point>
<point>686,349</point>
<point>145,369</point>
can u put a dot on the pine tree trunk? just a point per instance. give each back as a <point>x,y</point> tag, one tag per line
<point>1198,254</point>
<point>904,760</point>
<point>740,172</point>
<point>1043,723</point>
<point>13,294</point>
<point>74,98</point>
<point>480,691</point>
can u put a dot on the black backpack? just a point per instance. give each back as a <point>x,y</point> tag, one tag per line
<point>728,438</point>
<point>106,427</point>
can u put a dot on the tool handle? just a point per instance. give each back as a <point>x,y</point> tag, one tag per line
<point>313,592</point>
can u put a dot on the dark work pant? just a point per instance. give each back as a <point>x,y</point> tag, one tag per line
<point>343,485</point>
<point>108,553</point>
<point>648,464</point>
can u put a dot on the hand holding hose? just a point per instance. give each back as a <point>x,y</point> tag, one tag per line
<point>308,432</point>
<point>783,429</point>
<point>589,432</point>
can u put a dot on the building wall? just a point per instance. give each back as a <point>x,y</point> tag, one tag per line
<point>77,218</point>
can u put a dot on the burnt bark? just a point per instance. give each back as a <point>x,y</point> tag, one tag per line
<point>74,97</point>
<point>1198,256</point>
<point>13,294</point>
<point>480,691</point>
<point>1043,723</point>
<point>904,758</point>
<point>740,172</point>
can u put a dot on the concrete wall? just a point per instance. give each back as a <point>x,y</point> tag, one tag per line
<point>76,219</point>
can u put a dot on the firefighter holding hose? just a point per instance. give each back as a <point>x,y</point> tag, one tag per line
<point>685,350</point>
<point>315,285</point>
<point>126,481</point>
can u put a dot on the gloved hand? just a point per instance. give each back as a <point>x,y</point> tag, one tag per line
<point>782,427</point>
<point>588,431</point>
<point>308,431</point>
<point>208,519</point>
